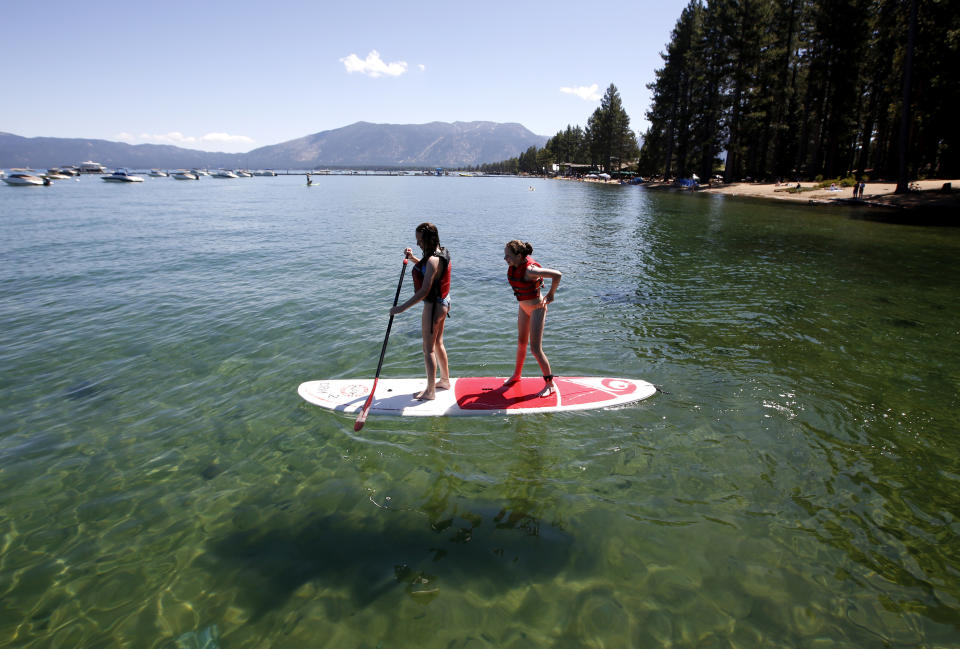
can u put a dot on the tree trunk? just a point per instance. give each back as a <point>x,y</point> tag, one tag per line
<point>902,180</point>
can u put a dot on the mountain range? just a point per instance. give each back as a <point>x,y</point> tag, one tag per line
<point>436,144</point>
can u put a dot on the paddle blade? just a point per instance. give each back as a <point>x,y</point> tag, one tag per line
<point>362,417</point>
<point>361,420</point>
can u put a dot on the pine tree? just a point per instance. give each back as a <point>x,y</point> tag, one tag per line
<point>666,142</point>
<point>610,134</point>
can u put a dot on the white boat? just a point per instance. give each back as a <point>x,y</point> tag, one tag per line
<point>185,175</point>
<point>244,174</point>
<point>56,174</point>
<point>223,173</point>
<point>23,180</point>
<point>122,176</point>
<point>265,172</point>
<point>90,167</point>
<point>156,173</point>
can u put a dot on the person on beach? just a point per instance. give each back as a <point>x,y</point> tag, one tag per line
<point>526,277</point>
<point>431,284</point>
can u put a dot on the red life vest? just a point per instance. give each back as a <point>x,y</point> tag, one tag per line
<point>523,289</point>
<point>439,289</point>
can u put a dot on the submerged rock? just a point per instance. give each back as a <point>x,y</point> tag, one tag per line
<point>205,638</point>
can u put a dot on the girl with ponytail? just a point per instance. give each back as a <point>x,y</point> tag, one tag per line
<point>431,283</point>
<point>526,277</point>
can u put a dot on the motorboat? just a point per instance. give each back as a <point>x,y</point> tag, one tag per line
<point>156,173</point>
<point>244,174</point>
<point>56,174</point>
<point>224,173</point>
<point>122,176</point>
<point>185,175</point>
<point>265,172</point>
<point>24,180</point>
<point>90,167</point>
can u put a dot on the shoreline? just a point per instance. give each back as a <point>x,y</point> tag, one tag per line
<point>930,194</point>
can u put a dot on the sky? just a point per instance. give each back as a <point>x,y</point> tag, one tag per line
<point>234,76</point>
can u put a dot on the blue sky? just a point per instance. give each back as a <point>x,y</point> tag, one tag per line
<point>233,76</point>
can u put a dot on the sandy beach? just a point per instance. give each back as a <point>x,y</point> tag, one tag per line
<point>927,194</point>
<point>930,193</point>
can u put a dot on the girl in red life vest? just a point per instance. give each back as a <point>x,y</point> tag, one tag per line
<point>431,283</point>
<point>526,277</point>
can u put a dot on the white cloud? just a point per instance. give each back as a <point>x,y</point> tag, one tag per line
<point>226,137</point>
<point>174,137</point>
<point>587,93</point>
<point>373,65</point>
<point>422,67</point>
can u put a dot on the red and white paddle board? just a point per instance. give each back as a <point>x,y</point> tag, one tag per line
<point>475,395</point>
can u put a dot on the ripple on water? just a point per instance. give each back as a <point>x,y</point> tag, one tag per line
<point>793,483</point>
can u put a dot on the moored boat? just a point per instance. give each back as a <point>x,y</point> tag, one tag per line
<point>185,175</point>
<point>90,167</point>
<point>25,180</point>
<point>224,173</point>
<point>122,176</point>
<point>157,173</point>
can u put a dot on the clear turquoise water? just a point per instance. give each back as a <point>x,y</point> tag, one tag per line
<point>795,485</point>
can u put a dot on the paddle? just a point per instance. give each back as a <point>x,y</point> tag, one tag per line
<point>362,417</point>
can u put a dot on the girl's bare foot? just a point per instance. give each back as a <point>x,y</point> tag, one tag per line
<point>548,389</point>
<point>511,381</point>
<point>443,384</point>
<point>426,395</point>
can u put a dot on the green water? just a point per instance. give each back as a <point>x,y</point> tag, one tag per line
<point>161,483</point>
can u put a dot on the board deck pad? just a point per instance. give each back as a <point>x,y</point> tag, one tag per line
<point>475,395</point>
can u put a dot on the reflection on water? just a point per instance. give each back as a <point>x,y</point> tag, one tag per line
<point>162,485</point>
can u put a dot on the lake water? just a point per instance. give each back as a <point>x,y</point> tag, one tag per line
<point>795,484</point>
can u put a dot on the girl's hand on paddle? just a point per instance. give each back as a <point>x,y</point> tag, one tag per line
<point>396,311</point>
<point>408,253</point>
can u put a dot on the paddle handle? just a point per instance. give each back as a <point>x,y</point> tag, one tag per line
<point>362,417</point>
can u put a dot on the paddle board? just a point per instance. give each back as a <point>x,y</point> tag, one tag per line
<point>475,395</point>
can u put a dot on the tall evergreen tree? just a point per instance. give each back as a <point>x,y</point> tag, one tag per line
<point>807,87</point>
<point>610,134</point>
<point>568,145</point>
<point>667,139</point>
<point>902,179</point>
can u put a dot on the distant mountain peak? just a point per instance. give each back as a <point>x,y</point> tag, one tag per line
<point>361,144</point>
<point>445,144</point>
